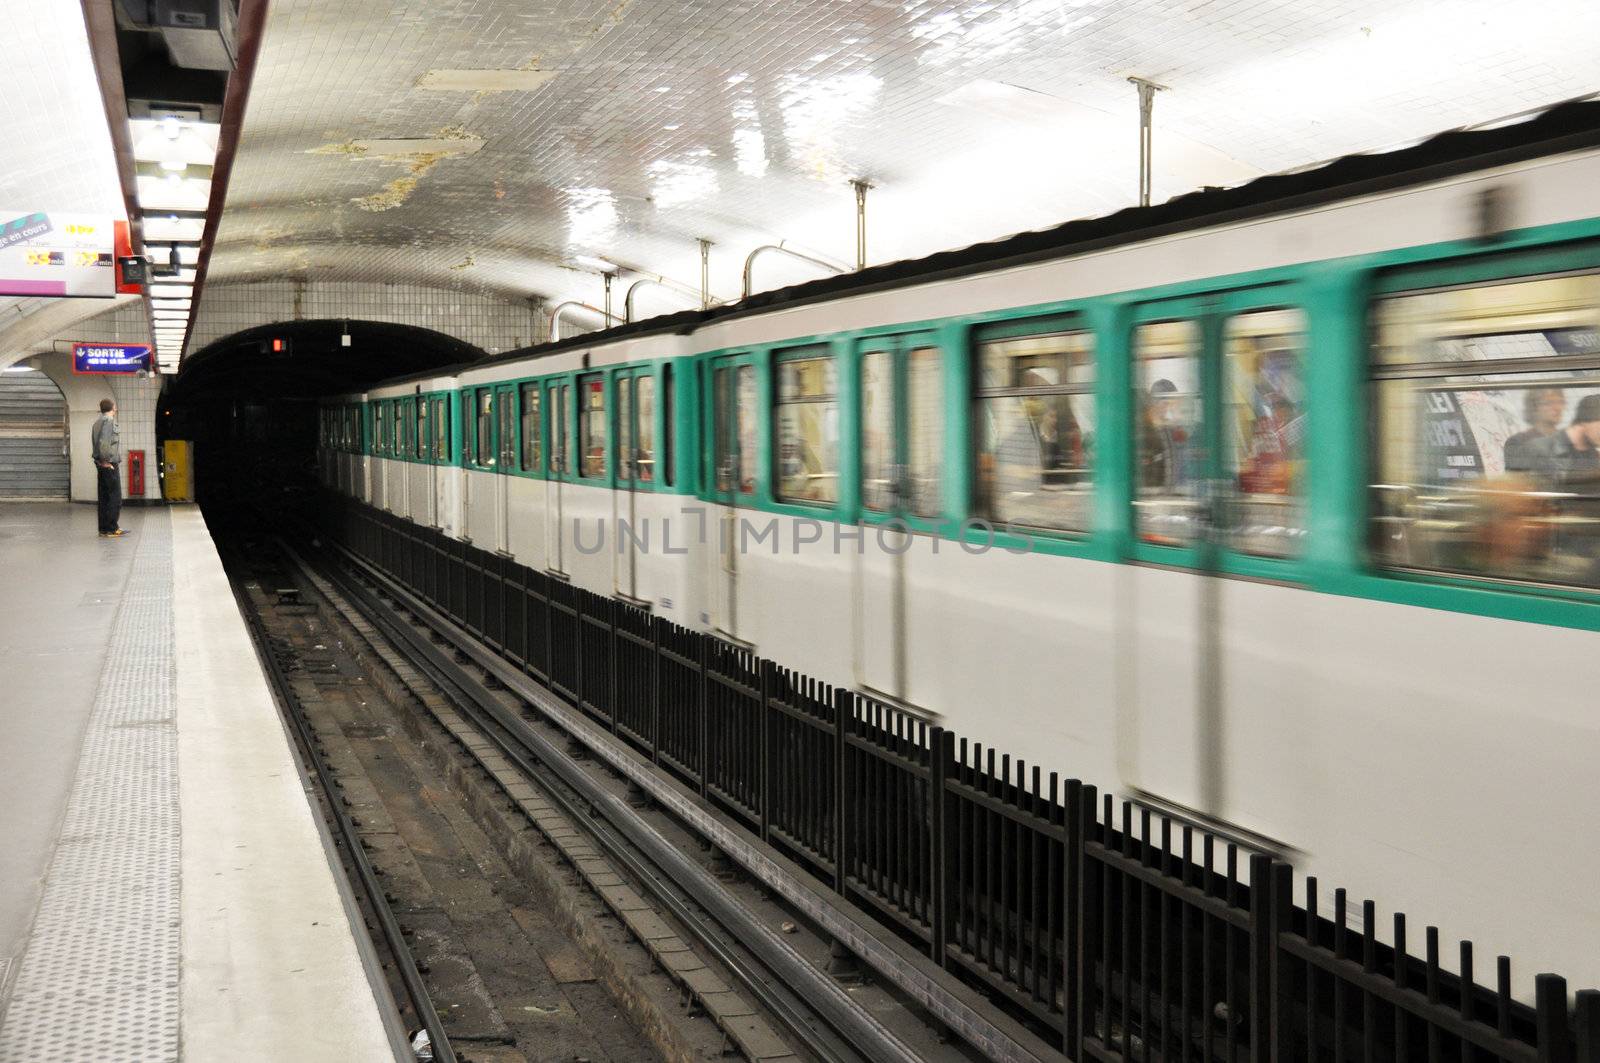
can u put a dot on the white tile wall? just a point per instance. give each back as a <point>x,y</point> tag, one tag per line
<point>135,396</point>
<point>488,321</point>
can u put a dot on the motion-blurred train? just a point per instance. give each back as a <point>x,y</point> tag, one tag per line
<point>1276,505</point>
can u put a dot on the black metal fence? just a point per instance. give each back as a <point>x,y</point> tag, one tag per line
<point>1115,932</point>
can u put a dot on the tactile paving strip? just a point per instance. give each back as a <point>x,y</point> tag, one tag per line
<point>99,980</point>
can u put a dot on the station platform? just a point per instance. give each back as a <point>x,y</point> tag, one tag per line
<point>167,890</point>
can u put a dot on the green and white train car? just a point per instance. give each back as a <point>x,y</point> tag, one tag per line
<point>1278,505</point>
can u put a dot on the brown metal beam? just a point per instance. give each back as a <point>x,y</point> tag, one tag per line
<point>252,28</point>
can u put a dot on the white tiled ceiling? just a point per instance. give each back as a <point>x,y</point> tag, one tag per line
<point>660,122</point>
<point>55,153</point>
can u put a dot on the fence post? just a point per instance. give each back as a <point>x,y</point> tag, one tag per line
<point>705,712</point>
<point>1262,947</point>
<point>613,704</point>
<point>546,583</point>
<point>941,754</point>
<point>1550,1018</point>
<point>577,647</point>
<point>764,738</point>
<point>1072,886</point>
<point>1588,1023</point>
<point>842,715</point>
<point>1277,924</point>
<point>655,689</point>
<point>1088,901</point>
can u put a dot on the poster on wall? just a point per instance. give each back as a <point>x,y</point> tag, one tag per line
<point>98,358</point>
<point>50,254</point>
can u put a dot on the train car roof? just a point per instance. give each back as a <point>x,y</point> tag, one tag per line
<point>1572,126</point>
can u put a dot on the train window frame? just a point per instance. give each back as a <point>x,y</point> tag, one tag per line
<point>587,418</point>
<point>532,435</point>
<point>422,445</point>
<point>483,449</point>
<point>1066,325</point>
<point>669,427</point>
<point>834,398</point>
<point>1529,373</point>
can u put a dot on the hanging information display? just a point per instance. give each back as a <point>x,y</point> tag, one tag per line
<point>51,254</point>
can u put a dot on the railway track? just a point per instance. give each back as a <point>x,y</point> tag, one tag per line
<point>743,961</point>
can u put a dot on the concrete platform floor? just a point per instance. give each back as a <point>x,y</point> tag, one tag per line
<point>166,889</point>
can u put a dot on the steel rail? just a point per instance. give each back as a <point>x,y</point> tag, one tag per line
<point>810,1004</point>
<point>393,936</point>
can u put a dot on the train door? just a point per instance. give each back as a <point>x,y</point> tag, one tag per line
<point>901,389</point>
<point>635,391</point>
<point>733,480</point>
<point>558,407</point>
<point>1218,423</point>
<point>439,422</point>
<point>505,434</point>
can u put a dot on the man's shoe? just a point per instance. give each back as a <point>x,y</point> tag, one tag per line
<point>114,534</point>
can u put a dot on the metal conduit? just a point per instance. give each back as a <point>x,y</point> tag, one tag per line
<point>750,261</point>
<point>574,304</point>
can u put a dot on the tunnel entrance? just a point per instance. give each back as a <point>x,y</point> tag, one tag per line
<point>33,438</point>
<point>249,401</point>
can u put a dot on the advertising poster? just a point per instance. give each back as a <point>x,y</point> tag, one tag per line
<point>50,254</point>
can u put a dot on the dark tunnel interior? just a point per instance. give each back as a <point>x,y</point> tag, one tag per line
<point>248,402</point>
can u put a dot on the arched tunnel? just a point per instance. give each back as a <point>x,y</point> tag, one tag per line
<point>248,402</point>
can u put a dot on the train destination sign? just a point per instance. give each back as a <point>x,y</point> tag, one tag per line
<point>45,253</point>
<point>110,357</point>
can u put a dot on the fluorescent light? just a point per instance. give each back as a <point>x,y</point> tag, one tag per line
<point>165,228</point>
<point>174,191</point>
<point>20,369</point>
<point>169,139</point>
<point>171,304</point>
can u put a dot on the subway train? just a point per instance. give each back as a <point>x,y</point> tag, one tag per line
<point>1275,506</point>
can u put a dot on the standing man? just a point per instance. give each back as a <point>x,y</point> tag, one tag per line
<point>106,447</point>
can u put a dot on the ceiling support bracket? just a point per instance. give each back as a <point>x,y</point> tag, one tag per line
<point>705,273</point>
<point>861,187</point>
<point>1147,103</point>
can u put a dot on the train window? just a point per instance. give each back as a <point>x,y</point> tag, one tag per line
<point>625,427</point>
<point>531,427</point>
<point>424,437</point>
<point>669,404</point>
<point>560,430</point>
<point>441,430</point>
<point>644,432</point>
<point>1036,430</point>
<point>924,415</point>
<point>808,429</point>
<point>1168,450</point>
<point>485,440</point>
<point>877,430</point>
<point>383,427</point>
<point>506,422</point>
<point>1487,430</point>
<point>735,401</point>
<point>1264,429</point>
<point>592,425</point>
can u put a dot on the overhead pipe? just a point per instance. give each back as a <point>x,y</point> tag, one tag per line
<point>574,304</point>
<point>660,282</point>
<point>750,261</point>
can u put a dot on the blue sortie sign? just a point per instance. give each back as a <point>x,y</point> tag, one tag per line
<point>110,357</point>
